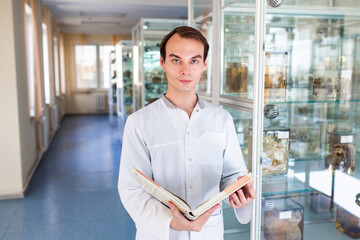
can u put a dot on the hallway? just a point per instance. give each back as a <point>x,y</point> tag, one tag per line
<point>73,193</point>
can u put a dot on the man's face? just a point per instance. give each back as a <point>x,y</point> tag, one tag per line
<point>184,63</point>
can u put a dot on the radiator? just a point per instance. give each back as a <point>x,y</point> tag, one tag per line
<point>42,133</point>
<point>53,118</point>
<point>100,102</point>
<point>60,102</point>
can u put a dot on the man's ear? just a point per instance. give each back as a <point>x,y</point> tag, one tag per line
<point>205,65</point>
<point>162,63</point>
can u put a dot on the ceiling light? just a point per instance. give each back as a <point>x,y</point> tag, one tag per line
<point>102,14</point>
<point>101,22</point>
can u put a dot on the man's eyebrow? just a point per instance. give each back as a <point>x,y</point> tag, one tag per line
<point>176,56</point>
<point>197,56</point>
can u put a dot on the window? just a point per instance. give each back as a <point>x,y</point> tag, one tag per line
<point>30,58</point>
<point>92,66</point>
<point>62,66</point>
<point>56,67</point>
<point>46,64</point>
<point>33,63</point>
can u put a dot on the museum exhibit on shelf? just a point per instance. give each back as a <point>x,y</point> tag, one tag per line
<point>289,74</point>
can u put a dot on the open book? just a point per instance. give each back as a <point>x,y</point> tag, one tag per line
<point>165,196</point>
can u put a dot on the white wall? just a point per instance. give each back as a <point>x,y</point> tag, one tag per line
<point>19,154</point>
<point>10,149</point>
<point>29,152</point>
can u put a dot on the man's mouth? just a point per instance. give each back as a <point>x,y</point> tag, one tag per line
<point>185,81</point>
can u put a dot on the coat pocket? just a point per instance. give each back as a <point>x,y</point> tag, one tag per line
<point>211,147</point>
<point>214,228</point>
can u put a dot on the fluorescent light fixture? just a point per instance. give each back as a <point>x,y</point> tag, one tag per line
<point>103,14</point>
<point>101,23</point>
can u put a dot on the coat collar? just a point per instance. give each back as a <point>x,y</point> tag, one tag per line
<point>171,105</point>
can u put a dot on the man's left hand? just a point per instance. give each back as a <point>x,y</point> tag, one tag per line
<point>243,196</point>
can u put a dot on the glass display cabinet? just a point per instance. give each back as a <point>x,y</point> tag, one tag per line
<point>124,90</point>
<point>112,86</point>
<point>149,79</point>
<point>289,75</point>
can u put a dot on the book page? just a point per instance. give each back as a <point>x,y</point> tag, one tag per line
<point>159,192</point>
<point>178,201</point>
<point>203,207</point>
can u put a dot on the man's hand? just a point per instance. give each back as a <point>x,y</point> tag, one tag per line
<point>242,196</point>
<point>180,222</point>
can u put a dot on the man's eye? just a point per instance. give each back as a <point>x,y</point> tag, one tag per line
<point>176,61</point>
<point>194,61</point>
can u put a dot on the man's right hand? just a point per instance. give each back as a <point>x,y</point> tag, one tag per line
<point>180,222</point>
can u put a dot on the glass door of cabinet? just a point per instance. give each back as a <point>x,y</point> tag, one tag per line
<point>235,88</point>
<point>124,91</point>
<point>309,148</point>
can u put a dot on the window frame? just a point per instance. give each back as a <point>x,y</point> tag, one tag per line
<point>46,64</point>
<point>99,86</point>
<point>56,66</point>
<point>30,57</point>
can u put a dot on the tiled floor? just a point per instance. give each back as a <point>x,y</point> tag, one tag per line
<point>73,193</point>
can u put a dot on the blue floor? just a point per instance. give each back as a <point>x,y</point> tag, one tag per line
<point>73,193</point>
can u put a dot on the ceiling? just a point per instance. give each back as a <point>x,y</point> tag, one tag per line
<point>111,16</point>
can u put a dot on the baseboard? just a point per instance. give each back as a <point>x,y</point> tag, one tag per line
<point>33,169</point>
<point>13,195</point>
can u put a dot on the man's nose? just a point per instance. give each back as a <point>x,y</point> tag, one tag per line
<point>185,69</point>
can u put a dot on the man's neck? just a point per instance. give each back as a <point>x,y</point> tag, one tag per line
<point>183,100</point>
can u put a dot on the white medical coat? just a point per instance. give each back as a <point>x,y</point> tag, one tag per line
<point>195,158</point>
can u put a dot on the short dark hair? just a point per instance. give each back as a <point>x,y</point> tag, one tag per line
<point>184,32</point>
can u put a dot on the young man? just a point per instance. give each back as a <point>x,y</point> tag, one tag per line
<point>186,145</point>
